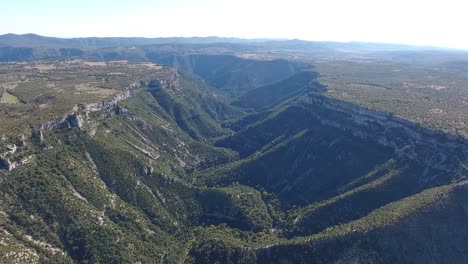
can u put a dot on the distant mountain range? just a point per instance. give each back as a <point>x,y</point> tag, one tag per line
<point>33,40</point>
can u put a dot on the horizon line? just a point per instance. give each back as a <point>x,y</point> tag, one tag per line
<point>246,38</point>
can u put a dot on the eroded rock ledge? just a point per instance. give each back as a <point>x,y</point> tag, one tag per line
<point>75,117</point>
<point>440,151</point>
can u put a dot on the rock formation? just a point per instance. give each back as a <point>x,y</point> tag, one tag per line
<point>6,164</point>
<point>11,149</point>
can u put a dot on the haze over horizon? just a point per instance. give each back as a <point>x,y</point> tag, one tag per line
<point>422,23</point>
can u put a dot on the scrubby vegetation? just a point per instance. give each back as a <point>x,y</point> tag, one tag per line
<point>426,95</point>
<point>228,160</point>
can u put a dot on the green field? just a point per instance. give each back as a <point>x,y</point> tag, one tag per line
<point>8,98</point>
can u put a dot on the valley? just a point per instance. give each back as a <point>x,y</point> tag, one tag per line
<point>230,153</point>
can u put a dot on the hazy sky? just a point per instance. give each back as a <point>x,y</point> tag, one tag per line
<point>438,23</point>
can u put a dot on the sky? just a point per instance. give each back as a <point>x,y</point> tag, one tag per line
<point>415,22</point>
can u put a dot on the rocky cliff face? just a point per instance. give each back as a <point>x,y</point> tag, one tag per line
<point>338,160</point>
<point>110,103</point>
<point>79,112</point>
<point>6,164</point>
<point>410,141</point>
<point>168,80</point>
<point>76,119</point>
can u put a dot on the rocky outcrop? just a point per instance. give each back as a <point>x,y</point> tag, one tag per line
<point>59,122</point>
<point>109,104</point>
<point>22,140</point>
<point>6,164</point>
<point>120,111</point>
<point>64,122</point>
<point>37,136</point>
<point>148,169</point>
<point>11,149</point>
<point>153,84</point>
<point>168,80</point>
<point>75,118</point>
